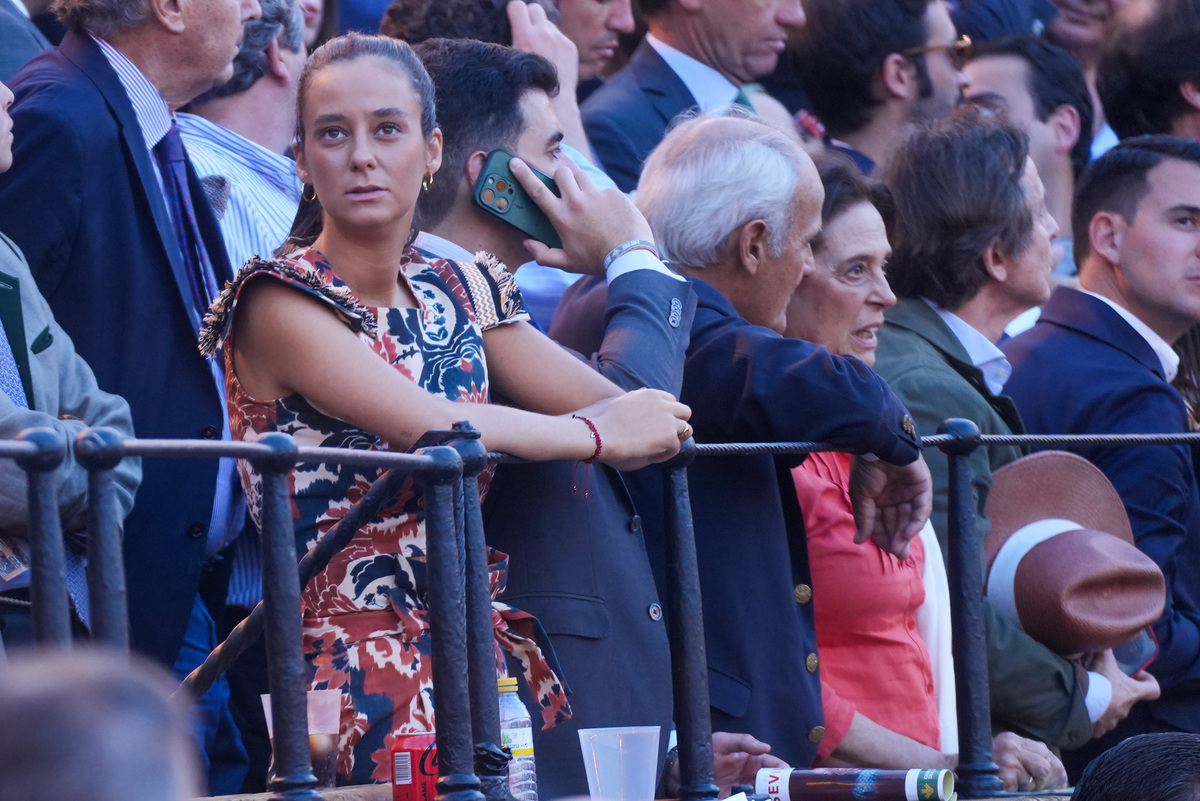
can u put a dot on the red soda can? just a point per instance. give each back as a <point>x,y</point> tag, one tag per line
<point>414,767</point>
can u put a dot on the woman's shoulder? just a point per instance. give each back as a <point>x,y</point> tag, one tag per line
<point>305,269</point>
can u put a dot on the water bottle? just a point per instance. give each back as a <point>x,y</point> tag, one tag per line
<point>516,733</point>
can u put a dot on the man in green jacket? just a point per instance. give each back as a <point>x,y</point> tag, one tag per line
<point>972,250</point>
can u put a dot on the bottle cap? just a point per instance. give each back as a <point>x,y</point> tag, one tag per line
<point>507,684</point>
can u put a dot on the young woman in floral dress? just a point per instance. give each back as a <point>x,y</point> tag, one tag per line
<point>351,339</point>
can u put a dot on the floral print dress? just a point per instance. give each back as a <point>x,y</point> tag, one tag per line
<point>365,615</point>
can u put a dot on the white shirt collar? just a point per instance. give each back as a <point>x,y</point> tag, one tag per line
<point>1166,354</point>
<point>709,88</point>
<point>442,248</point>
<point>983,353</point>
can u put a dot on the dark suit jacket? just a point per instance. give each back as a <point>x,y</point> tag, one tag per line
<point>83,203</point>
<point>748,384</point>
<point>626,117</point>
<point>1033,691</point>
<point>579,564</point>
<point>20,40</point>
<point>1083,370</point>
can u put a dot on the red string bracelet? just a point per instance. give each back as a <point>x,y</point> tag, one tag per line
<point>595,436</point>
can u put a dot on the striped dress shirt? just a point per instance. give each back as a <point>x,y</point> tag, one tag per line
<point>264,191</point>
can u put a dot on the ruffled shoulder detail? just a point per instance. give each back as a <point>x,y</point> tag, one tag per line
<point>512,304</point>
<point>306,271</point>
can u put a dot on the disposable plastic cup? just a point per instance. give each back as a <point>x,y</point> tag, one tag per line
<point>324,725</point>
<point>621,762</point>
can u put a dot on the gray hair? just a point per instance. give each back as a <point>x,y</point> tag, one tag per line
<point>713,174</point>
<point>104,19</point>
<point>280,19</point>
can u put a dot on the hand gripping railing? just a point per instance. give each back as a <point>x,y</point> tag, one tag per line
<point>461,620</point>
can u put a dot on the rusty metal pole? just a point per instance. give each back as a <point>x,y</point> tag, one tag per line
<point>287,672</point>
<point>976,772</point>
<point>448,629</point>
<point>51,609</point>
<point>685,627</point>
<point>99,450</point>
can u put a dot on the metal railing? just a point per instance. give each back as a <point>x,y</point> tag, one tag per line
<point>471,764</point>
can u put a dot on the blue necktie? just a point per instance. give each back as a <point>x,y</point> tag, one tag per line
<point>10,376</point>
<point>172,160</point>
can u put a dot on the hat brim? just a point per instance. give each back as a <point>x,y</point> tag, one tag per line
<point>1052,484</point>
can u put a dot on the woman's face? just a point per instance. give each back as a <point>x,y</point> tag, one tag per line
<point>363,149</point>
<point>840,305</point>
<point>314,15</point>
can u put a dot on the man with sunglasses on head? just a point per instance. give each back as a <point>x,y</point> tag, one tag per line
<point>873,68</point>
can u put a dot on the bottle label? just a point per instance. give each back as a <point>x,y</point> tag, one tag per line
<point>519,740</point>
<point>773,782</point>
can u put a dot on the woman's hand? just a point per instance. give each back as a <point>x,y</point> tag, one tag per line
<point>639,428</point>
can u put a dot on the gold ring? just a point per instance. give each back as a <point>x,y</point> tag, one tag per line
<point>686,432</point>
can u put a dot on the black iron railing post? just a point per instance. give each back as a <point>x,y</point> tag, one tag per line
<point>491,764</point>
<point>448,629</point>
<point>977,772</point>
<point>99,450</point>
<point>287,673</point>
<point>685,627</point>
<point>48,566</point>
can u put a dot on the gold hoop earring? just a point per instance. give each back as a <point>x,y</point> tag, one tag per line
<point>427,181</point>
<point>305,191</point>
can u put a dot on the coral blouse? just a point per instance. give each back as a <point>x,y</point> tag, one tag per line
<point>872,657</point>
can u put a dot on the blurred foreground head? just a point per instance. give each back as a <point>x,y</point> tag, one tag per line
<point>92,724</point>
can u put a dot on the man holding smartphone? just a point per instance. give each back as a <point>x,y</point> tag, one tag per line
<point>578,559</point>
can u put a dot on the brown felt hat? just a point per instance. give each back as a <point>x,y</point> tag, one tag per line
<point>1061,559</point>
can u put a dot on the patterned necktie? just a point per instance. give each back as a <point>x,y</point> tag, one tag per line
<point>172,160</point>
<point>10,376</point>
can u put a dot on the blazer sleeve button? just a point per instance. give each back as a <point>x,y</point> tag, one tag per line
<point>816,734</point>
<point>196,531</point>
<point>655,612</point>
<point>209,432</point>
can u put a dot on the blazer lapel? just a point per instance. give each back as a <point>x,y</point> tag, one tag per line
<point>13,321</point>
<point>86,54</point>
<point>666,91</point>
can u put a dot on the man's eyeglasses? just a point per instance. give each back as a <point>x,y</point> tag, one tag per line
<point>958,51</point>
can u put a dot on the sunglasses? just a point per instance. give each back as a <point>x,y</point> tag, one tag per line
<point>958,51</point>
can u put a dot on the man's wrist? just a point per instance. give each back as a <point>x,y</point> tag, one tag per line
<point>636,259</point>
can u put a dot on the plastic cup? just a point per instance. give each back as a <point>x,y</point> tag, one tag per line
<point>621,762</point>
<point>324,725</point>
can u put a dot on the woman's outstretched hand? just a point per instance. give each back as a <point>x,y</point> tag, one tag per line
<point>639,428</point>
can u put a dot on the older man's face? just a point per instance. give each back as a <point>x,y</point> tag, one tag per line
<point>742,39</point>
<point>595,27</point>
<point>213,33</point>
<point>778,276</point>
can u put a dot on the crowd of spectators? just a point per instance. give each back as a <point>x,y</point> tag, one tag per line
<point>842,221</point>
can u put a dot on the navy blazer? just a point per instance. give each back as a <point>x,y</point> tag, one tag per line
<point>579,563</point>
<point>1083,370</point>
<point>627,117</point>
<point>84,204</point>
<point>746,383</point>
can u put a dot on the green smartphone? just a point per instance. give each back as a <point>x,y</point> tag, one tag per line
<point>498,193</point>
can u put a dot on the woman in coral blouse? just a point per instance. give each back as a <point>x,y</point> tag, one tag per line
<point>887,683</point>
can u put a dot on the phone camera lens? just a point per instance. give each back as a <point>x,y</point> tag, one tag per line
<point>502,204</point>
<point>488,196</point>
<point>501,185</point>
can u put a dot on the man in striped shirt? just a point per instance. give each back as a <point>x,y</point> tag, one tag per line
<point>237,135</point>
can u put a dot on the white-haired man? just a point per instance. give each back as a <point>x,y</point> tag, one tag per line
<point>746,247</point>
